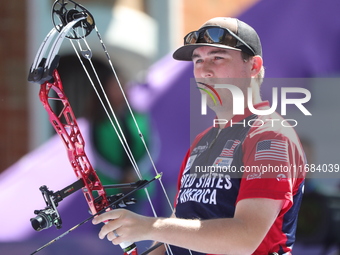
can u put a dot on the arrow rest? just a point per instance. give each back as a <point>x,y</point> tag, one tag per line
<point>65,11</point>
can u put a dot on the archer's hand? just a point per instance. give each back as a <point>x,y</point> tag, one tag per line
<point>124,226</point>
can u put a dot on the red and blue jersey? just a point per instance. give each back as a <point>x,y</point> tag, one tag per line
<point>253,156</point>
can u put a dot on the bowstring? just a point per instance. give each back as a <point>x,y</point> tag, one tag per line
<point>118,130</point>
<point>133,116</point>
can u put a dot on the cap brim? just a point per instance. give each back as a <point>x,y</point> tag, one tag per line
<point>185,52</point>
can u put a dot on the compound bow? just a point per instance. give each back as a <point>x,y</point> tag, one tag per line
<point>73,21</point>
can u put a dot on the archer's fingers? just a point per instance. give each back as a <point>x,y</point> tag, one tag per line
<point>110,215</point>
<point>107,230</point>
<point>112,236</point>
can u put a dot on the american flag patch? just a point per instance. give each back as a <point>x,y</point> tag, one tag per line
<point>229,147</point>
<point>272,150</point>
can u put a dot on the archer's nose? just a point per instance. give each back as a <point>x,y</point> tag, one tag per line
<point>206,70</point>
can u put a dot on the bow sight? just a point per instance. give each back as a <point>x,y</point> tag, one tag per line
<point>50,216</point>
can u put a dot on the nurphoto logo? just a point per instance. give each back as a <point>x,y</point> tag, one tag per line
<point>239,99</point>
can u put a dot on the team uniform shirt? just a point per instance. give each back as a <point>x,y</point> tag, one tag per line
<point>253,156</point>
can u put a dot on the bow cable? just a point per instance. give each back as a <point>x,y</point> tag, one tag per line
<point>116,126</point>
<point>120,134</point>
<point>133,116</point>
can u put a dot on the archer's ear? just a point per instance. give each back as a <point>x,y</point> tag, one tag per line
<point>257,64</point>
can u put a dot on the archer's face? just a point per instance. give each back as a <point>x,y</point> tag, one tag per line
<point>221,66</point>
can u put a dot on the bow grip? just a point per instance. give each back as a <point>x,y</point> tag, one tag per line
<point>129,248</point>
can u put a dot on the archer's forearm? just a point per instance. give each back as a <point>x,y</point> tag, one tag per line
<point>220,236</point>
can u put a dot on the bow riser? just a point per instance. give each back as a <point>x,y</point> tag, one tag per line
<point>66,126</point>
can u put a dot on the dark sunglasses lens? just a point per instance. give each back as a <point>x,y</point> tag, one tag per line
<point>191,38</point>
<point>221,36</point>
<point>213,35</point>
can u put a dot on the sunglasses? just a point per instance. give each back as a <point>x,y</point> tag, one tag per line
<point>218,35</point>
